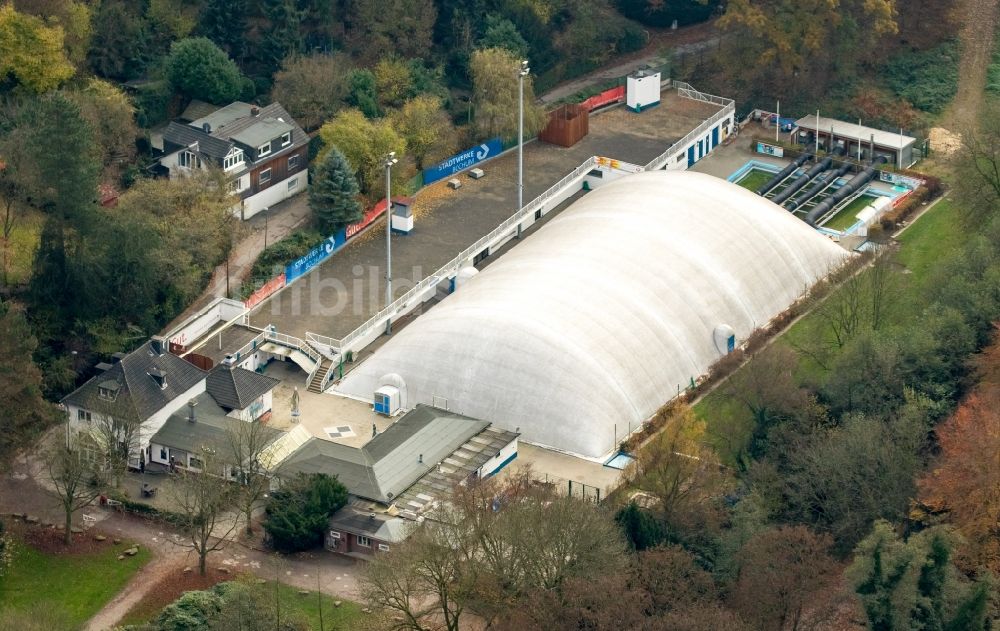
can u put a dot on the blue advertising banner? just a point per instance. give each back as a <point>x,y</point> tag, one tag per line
<point>462,161</point>
<point>315,256</point>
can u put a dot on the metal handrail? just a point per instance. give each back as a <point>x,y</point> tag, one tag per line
<point>292,341</point>
<point>661,159</point>
<point>249,346</point>
<point>322,340</point>
<point>452,265</point>
<point>688,91</point>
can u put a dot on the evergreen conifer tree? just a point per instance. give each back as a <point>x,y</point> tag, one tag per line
<point>333,195</point>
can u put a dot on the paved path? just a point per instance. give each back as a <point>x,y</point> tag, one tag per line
<point>978,35</point>
<point>663,46</point>
<point>23,492</point>
<point>271,226</point>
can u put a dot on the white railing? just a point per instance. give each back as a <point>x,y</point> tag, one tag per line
<point>328,377</point>
<point>249,346</point>
<point>293,342</point>
<point>660,160</point>
<point>340,346</point>
<point>687,91</point>
<point>323,341</point>
<point>452,266</point>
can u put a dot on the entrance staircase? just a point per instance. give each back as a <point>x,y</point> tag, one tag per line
<point>316,383</point>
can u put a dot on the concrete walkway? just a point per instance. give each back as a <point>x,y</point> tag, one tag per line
<point>268,227</point>
<point>23,491</point>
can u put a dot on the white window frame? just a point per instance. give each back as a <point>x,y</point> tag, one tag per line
<point>286,139</point>
<point>233,159</point>
<point>194,462</point>
<point>364,542</point>
<point>186,158</point>
<point>261,179</point>
<point>293,183</point>
<point>264,149</point>
<point>84,415</point>
<point>383,548</point>
<point>334,534</point>
<point>293,161</point>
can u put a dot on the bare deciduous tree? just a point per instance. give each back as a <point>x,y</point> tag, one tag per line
<point>246,443</point>
<point>77,480</point>
<point>203,503</point>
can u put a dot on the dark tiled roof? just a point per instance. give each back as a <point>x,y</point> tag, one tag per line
<point>197,109</point>
<point>208,430</point>
<point>236,388</point>
<point>273,111</point>
<point>181,135</point>
<point>381,527</point>
<point>392,461</point>
<point>139,396</point>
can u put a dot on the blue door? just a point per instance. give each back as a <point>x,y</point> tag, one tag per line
<point>690,155</point>
<point>715,137</point>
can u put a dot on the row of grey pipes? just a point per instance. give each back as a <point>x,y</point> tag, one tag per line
<point>828,204</point>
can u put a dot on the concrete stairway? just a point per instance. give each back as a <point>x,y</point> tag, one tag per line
<point>316,385</point>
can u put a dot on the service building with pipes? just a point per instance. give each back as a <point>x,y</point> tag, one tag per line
<point>860,142</point>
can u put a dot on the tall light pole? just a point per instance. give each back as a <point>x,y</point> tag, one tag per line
<point>390,160</point>
<point>521,74</point>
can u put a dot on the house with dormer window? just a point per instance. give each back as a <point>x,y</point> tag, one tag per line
<point>261,150</point>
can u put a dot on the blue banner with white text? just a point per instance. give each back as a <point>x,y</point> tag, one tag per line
<point>463,160</point>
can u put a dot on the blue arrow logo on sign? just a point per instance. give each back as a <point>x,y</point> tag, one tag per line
<point>485,151</point>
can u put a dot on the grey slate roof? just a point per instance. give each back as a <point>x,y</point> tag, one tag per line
<point>273,111</point>
<point>391,462</point>
<point>455,469</point>
<point>381,527</point>
<point>208,430</point>
<point>219,117</point>
<point>181,135</point>
<point>139,396</point>
<point>235,123</point>
<point>266,129</point>
<point>236,388</point>
<point>197,109</point>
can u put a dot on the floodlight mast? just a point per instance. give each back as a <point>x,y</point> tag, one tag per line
<point>521,74</point>
<point>390,160</point>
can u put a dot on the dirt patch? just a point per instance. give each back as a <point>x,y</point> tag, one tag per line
<point>49,539</point>
<point>978,34</point>
<point>944,142</point>
<point>169,588</point>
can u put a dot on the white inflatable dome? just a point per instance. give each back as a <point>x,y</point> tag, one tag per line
<point>582,331</point>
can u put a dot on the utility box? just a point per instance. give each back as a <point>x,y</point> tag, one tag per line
<point>642,90</point>
<point>454,183</point>
<point>387,400</point>
<point>402,214</point>
<point>476,173</point>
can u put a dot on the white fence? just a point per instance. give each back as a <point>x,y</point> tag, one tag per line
<point>404,303</point>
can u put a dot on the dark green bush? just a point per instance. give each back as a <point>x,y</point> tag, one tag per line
<point>298,513</point>
<point>274,258</point>
<point>664,13</point>
<point>928,79</point>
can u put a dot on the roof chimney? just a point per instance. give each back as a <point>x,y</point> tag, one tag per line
<point>157,344</point>
<point>191,404</point>
<point>229,362</point>
<point>159,377</point>
<point>254,110</point>
<point>206,127</point>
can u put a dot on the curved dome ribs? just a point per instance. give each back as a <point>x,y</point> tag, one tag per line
<point>585,329</point>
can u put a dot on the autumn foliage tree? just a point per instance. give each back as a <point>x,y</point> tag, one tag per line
<point>965,480</point>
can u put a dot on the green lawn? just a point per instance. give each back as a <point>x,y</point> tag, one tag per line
<point>66,588</point>
<point>754,179</point>
<point>346,616</point>
<point>848,215</point>
<point>922,245</point>
<point>343,617</point>
<point>23,243</point>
